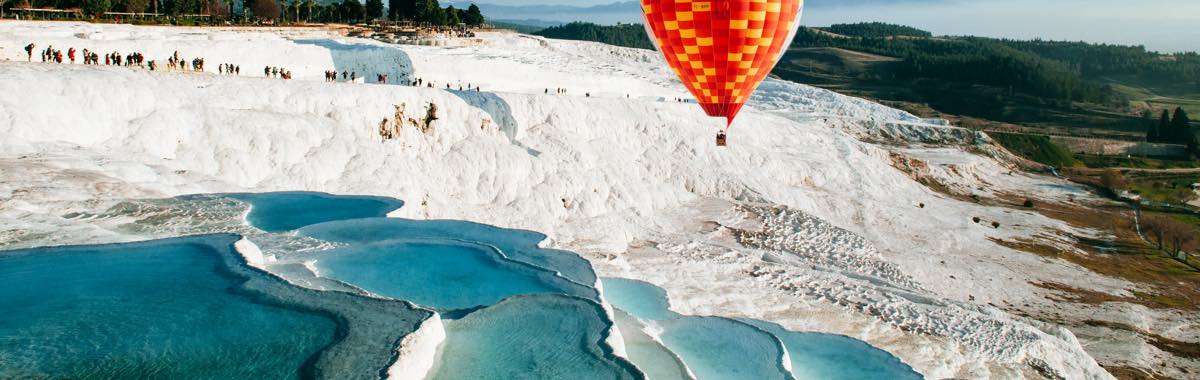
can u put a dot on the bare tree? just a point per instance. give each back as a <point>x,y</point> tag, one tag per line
<point>1168,234</point>
<point>1178,235</point>
<point>1113,181</point>
<point>1155,228</point>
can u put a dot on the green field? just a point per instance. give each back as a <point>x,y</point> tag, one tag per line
<point>1143,95</point>
<point>1176,192</point>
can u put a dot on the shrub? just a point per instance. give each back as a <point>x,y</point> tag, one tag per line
<point>975,219</point>
<point>995,224</point>
<point>1028,203</point>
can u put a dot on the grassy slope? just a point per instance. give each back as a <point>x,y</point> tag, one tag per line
<point>1037,148</point>
<point>869,75</point>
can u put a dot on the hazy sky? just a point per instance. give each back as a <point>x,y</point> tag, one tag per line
<point>1166,25</point>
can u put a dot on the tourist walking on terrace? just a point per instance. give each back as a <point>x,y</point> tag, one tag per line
<point>29,51</point>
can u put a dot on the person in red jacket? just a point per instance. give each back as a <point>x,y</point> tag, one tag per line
<point>71,55</point>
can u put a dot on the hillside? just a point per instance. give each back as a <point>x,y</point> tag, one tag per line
<point>1066,87</point>
<point>826,213</point>
<point>876,30</point>
<point>625,35</point>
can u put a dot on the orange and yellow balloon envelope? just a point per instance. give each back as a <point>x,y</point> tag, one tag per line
<point>722,49</point>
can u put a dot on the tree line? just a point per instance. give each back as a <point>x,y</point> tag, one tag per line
<point>427,12</point>
<point>1171,129</point>
<point>1098,60</point>
<point>971,60</point>
<point>1089,60</point>
<point>876,29</point>
<point>627,35</point>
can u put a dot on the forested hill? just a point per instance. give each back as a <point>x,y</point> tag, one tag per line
<point>1050,83</point>
<point>969,60</point>
<point>876,29</point>
<point>1050,69</point>
<point>627,35</point>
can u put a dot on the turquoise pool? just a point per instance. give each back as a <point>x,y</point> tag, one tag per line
<point>191,307</point>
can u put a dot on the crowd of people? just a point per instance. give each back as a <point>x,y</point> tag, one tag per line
<point>89,57</point>
<point>175,61</point>
<point>229,69</point>
<point>49,54</point>
<point>52,55</point>
<point>197,64</point>
<point>275,72</point>
<point>131,59</point>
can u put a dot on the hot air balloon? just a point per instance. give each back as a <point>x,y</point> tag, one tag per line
<point>722,49</point>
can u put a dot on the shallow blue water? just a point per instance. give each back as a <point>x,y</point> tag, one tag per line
<point>163,309</point>
<point>438,274</point>
<point>638,298</point>
<point>510,308</point>
<point>650,356</point>
<point>531,337</point>
<point>826,356</point>
<point>722,348</point>
<point>519,245</point>
<point>285,211</point>
<point>190,308</point>
<point>712,347</point>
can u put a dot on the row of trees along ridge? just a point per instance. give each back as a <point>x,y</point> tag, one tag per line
<point>344,11</point>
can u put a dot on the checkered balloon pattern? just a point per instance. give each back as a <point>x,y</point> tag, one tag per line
<point>722,49</point>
